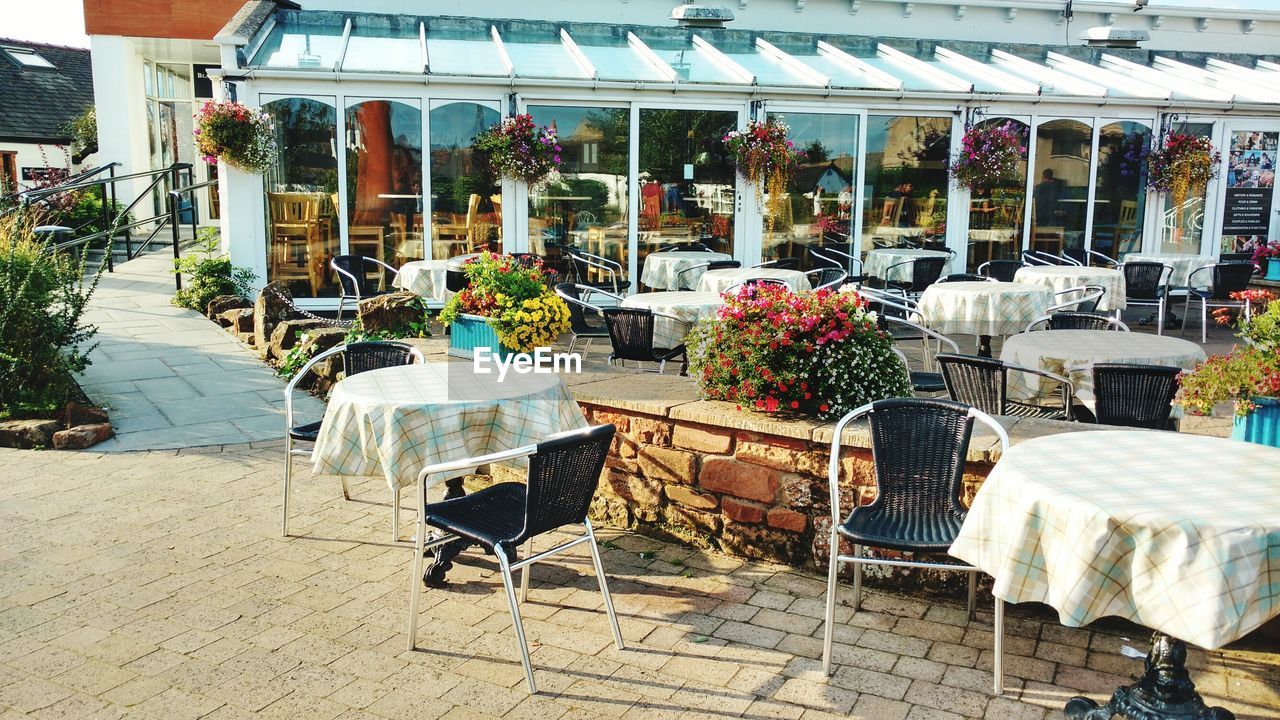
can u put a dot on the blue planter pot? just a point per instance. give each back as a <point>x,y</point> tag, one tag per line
<point>1262,426</point>
<point>1273,269</point>
<point>469,332</point>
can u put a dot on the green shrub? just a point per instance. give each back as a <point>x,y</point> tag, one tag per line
<point>210,275</point>
<point>85,213</point>
<point>43,340</point>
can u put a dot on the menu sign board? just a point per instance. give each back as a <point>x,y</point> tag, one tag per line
<point>1251,179</point>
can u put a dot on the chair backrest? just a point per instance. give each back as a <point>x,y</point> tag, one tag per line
<point>1003,270</point>
<point>723,265</point>
<point>455,280</point>
<point>733,289</point>
<point>786,263</point>
<point>294,207</point>
<point>563,476</point>
<point>365,356</point>
<point>1235,257</point>
<point>1144,280</point>
<point>919,446</point>
<point>976,381</point>
<point>925,271</point>
<point>577,307</point>
<point>630,332</point>
<point>1081,321</point>
<point>1230,277</point>
<point>1131,395</point>
<point>354,275</point>
<point>964,277</point>
<point>829,277</point>
<point>1128,212</point>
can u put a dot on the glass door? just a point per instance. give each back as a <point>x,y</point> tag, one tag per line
<point>466,204</point>
<point>1182,219</point>
<point>384,180</point>
<point>1250,207</point>
<point>1120,188</point>
<point>1060,197</point>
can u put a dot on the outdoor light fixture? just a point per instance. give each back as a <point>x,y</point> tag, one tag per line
<point>1111,37</point>
<point>691,15</point>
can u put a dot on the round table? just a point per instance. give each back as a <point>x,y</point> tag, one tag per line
<point>880,259</point>
<point>687,306</point>
<point>1072,353</point>
<point>662,269</point>
<point>717,281</point>
<point>1062,277</point>
<point>983,308</point>
<point>1172,531</point>
<point>425,278</point>
<point>1183,265</point>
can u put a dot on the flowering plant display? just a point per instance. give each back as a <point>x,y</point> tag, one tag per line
<point>990,156</point>
<point>516,298</point>
<point>766,157</point>
<point>1249,371</point>
<point>1266,251</point>
<point>518,149</point>
<point>819,353</point>
<point>1182,165</point>
<point>245,138</point>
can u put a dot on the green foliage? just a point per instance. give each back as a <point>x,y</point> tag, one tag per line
<point>83,130</point>
<point>43,340</point>
<point>84,215</point>
<point>298,355</point>
<point>210,275</point>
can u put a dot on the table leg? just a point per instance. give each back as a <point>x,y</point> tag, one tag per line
<point>434,576</point>
<point>1164,692</point>
<point>984,346</point>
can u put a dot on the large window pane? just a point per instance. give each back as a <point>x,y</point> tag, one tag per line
<point>302,230</point>
<point>1121,196</point>
<point>384,180</point>
<point>587,206</point>
<point>905,185</point>
<point>1182,226</point>
<point>466,205</point>
<point>812,212</point>
<point>996,213</point>
<point>686,181</point>
<point>1061,192</point>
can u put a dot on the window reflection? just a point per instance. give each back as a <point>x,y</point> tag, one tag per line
<point>302,227</point>
<point>1061,192</point>
<point>1182,227</point>
<point>820,190</point>
<point>905,184</point>
<point>586,207</point>
<point>1120,195</point>
<point>995,213</point>
<point>466,204</point>
<point>384,180</point>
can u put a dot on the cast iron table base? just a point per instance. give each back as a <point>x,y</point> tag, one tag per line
<point>1164,692</point>
<point>434,576</point>
<point>984,346</point>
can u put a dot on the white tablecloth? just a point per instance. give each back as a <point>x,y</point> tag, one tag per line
<point>689,307</point>
<point>1180,533</point>
<point>395,420</point>
<point>879,260</point>
<point>424,278</point>
<point>1057,350</point>
<point>717,281</point>
<point>1061,277</point>
<point>1183,265</point>
<point>662,268</point>
<point>983,308</point>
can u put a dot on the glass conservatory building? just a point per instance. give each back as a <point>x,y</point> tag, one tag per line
<point>375,116</point>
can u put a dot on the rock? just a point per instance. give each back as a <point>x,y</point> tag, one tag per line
<point>73,413</point>
<point>394,313</point>
<point>238,320</point>
<point>285,335</point>
<point>274,306</point>
<point>223,303</point>
<point>82,436</point>
<point>320,340</point>
<point>27,433</point>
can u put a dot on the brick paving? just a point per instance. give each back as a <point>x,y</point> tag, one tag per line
<point>155,585</point>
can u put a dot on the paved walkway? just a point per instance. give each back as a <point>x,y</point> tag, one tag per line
<point>156,586</point>
<point>171,378</point>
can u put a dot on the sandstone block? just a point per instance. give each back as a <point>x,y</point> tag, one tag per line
<point>272,307</point>
<point>27,433</point>
<point>642,491</point>
<point>73,413</point>
<point>239,320</point>
<point>397,313</point>
<point>287,334</point>
<point>728,476</point>
<point>607,417</point>
<point>743,512</point>
<point>788,520</point>
<point>650,431</point>
<point>82,436</point>
<point>223,303</point>
<point>668,464</point>
<point>705,440</point>
<point>691,498</point>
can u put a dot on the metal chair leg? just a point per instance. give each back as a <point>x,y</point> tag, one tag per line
<point>572,342</point>
<point>346,488</point>
<point>604,587</point>
<point>395,515</point>
<point>997,662</point>
<point>1160,309</point>
<point>524,571</point>
<point>515,617</point>
<point>288,480</point>
<point>1204,320</point>
<point>973,593</point>
<point>829,618</point>
<point>857,579</point>
<point>415,583</point>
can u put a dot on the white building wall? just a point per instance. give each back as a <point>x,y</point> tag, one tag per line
<point>120,98</point>
<point>32,155</point>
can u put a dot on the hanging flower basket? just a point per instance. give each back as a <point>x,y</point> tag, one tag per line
<point>765,157</point>
<point>237,134</point>
<point>990,156</point>
<point>1182,165</point>
<point>518,149</point>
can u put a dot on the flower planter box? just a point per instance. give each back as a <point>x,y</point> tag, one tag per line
<point>1272,268</point>
<point>1262,426</point>
<point>469,332</point>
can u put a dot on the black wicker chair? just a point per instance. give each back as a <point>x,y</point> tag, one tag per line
<point>687,282</point>
<point>904,330</point>
<point>830,278</point>
<point>783,263</point>
<point>1235,257</point>
<point>1147,284</point>
<point>353,278</point>
<point>564,472</point>
<point>1001,270</point>
<point>1076,321</point>
<point>695,246</point>
<point>356,358</point>
<point>982,382</point>
<point>631,333</point>
<point>965,277</point>
<point>582,264</point>
<point>576,296</point>
<point>1131,395</point>
<point>918,446</point>
<point>1226,278</point>
<point>925,271</point>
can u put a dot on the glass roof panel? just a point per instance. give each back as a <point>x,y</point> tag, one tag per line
<point>384,49</point>
<point>618,61</point>
<point>462,52</point>
<point>691,64</point>
<point>841,74</point>
<point>911,79</point>
<point>300,46</point>
<point>536,55</point>
<point>767,69</point>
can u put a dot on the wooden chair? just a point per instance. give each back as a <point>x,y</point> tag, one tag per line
<point>296,236</point>
<point>406,230</point>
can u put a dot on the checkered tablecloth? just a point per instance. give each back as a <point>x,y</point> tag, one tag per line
<point>717,281</point>
<point>690,307</point>
<point>983,308</point>
<point>879,260</point>
<point>662,268</point>
<point>1180,533</point>
<point>1183,265</point>
<point>1058,350</point>
<point>1061,277</point>
<point>395,420</point>
<point>425,278</point>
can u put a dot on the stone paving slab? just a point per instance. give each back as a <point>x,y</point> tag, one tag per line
<point>155,585</point>
<point>169,377</point>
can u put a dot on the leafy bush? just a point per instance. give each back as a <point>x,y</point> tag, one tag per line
<point>818,353</point>
<point>85,213</point>
<point>43,340</point>
<point>210,275</point>
<point>1249,371</point>
<point>517,299</point>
